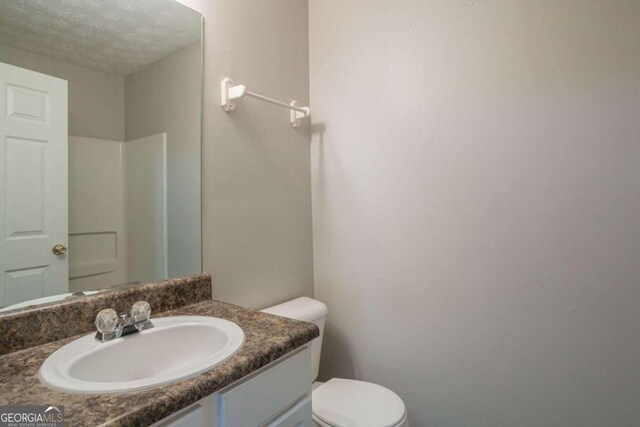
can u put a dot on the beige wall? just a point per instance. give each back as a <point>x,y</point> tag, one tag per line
<point>256,169</point>
<point>166,97</point>
<point>476,170</point>
<point>96,99</point>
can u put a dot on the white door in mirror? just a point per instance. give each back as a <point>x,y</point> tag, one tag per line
<point>176,349</point>
<point>33,185</point>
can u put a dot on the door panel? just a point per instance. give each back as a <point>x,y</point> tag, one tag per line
<point>33,184</point>
<point>23,285</point>
<point>25,187</point>
<point>27,104</point>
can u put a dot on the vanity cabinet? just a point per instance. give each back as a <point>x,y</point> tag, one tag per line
<point>277,395</point>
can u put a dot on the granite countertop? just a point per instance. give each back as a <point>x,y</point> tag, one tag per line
<point>267,338</point>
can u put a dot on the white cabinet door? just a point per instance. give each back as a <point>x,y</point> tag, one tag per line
<point>298,416</point>
<point>277,395</point>
<point>267,393</point>
<point>33,185</point>
<point>193,417</point>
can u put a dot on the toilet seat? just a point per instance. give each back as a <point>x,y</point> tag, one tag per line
<point>349,403</point>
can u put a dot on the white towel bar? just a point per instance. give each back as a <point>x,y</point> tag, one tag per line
<point>230,93</point>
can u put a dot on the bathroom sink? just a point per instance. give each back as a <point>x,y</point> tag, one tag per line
<point>175,349</point>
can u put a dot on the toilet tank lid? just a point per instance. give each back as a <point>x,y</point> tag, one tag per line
<point>303,308</point>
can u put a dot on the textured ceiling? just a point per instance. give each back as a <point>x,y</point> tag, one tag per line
<point>115,36</point>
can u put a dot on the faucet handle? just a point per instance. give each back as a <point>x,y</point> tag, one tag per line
<point>107,321</point>
<point>141,311</point>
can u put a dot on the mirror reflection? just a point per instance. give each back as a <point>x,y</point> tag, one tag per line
<point>99,146</point>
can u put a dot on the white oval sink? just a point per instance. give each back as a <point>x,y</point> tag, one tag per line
<point>176,349</point>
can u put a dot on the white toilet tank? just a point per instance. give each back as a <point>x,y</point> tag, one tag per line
<point>308,310</point>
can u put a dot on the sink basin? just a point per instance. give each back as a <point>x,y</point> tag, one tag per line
<point>176,349</point>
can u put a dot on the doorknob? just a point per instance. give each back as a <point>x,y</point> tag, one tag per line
<point>59,249</point>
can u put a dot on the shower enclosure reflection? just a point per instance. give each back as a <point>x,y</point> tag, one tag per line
<point>100,145</point>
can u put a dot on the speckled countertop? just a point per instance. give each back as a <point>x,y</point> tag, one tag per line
<point>267,338</point>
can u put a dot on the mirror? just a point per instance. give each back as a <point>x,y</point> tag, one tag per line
<point>100,148</point>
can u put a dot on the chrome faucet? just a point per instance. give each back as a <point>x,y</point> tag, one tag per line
<point>111,326</point>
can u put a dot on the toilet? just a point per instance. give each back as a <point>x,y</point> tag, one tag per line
<point>342,402</point>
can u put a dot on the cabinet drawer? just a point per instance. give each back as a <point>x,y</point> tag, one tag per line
<point>258,400</point>
<point>298,416</point>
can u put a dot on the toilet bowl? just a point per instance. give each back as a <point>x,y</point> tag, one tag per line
<point>342,402</point>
